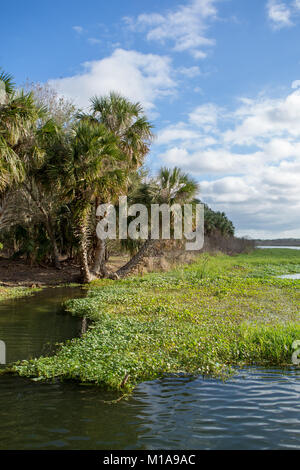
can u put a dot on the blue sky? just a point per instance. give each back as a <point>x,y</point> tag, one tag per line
<point>220,79</point>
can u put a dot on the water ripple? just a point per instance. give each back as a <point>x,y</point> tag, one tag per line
<point>256,409</point>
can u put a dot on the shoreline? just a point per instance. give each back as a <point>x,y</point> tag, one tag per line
<point>203,318</point>
<point>21,274</point>
<point>9,293</point>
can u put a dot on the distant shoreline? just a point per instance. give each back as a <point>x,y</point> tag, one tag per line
<point>278,242</point>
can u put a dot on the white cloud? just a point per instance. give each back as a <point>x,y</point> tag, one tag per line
<point>189,72</point>
<point>175,133</point>
<point>205,116</point>
<point>296,83</point>
<point>264,204</point>
<point>140,77</point>
<point>78,29</point>
<point>282,13</point>
<point>247,161</point>
<point>94,41</point>
<point>191,138</point>
<point>297,4</point>
<point>261,119</point>
<point>202,121</point>
<point>279,14</point>
<point>213,161</point>
<point>185,26</point>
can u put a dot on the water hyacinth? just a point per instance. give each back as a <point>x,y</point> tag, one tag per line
<point>192,320</point>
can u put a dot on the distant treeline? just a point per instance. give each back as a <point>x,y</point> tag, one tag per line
<point>279,242</point>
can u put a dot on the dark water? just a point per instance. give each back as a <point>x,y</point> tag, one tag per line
<point>28,324</point>
<point>257,409</point>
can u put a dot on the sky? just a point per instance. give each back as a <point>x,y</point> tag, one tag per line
<point>219,80</point>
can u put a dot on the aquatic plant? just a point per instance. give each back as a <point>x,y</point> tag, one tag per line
<point>189,320</point>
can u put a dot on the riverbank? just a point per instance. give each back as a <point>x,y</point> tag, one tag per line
<point>16,292</point>
<point>19,273</point>
<point>204,318</point>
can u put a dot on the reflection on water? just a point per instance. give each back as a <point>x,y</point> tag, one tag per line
<point>290,276</point>
<point>257,409</point>
<point>29,324</point>
<point>279,247</point>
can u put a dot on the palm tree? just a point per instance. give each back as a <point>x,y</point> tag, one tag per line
<point>170,187</point>
<point>217,222</point>
<point>126,120</point>
<point>175,186</point>
<point>18,112</point>
<point>93,152</point>
<point>25,131</point>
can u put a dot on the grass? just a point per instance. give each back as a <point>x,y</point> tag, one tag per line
<point>203,318</point>
<point>7,293</point>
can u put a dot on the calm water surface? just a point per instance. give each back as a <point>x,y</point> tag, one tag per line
<point>279,247</point>
<point>30,325</point>
<point>290,276</point>
<point>257,409</point>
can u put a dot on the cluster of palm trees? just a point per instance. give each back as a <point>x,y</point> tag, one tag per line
<point>56,168</point>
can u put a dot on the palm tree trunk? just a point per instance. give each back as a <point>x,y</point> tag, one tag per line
<point>136,259</point>
<point>83,245</point>
<point>100,251</point>
<point>49,228</point>
<point>84,266</point>
<point>98,266</point>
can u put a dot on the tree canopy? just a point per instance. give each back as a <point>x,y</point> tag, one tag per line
<point>57,164</point>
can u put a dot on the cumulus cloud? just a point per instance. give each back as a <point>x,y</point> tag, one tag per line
<point>265,204</point>
<point>197,131</point>
<point>205,116</point>
<point>282,13</point>
<point>185,27</point>
<point>176,132</point>
<point>247,161</point>
<point>261,119</point>
<point>279,13</point>
<point>140,77</point>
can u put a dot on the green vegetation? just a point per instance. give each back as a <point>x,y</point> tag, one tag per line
<point>58,164</point>
<point>200,319</point>
<point>15,292</point>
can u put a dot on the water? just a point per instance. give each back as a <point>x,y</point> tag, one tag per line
<point>286,276</point>
<point>257,409</point>
<point>279,247</point>
<point>29,324</point>
<point>290,276</point>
